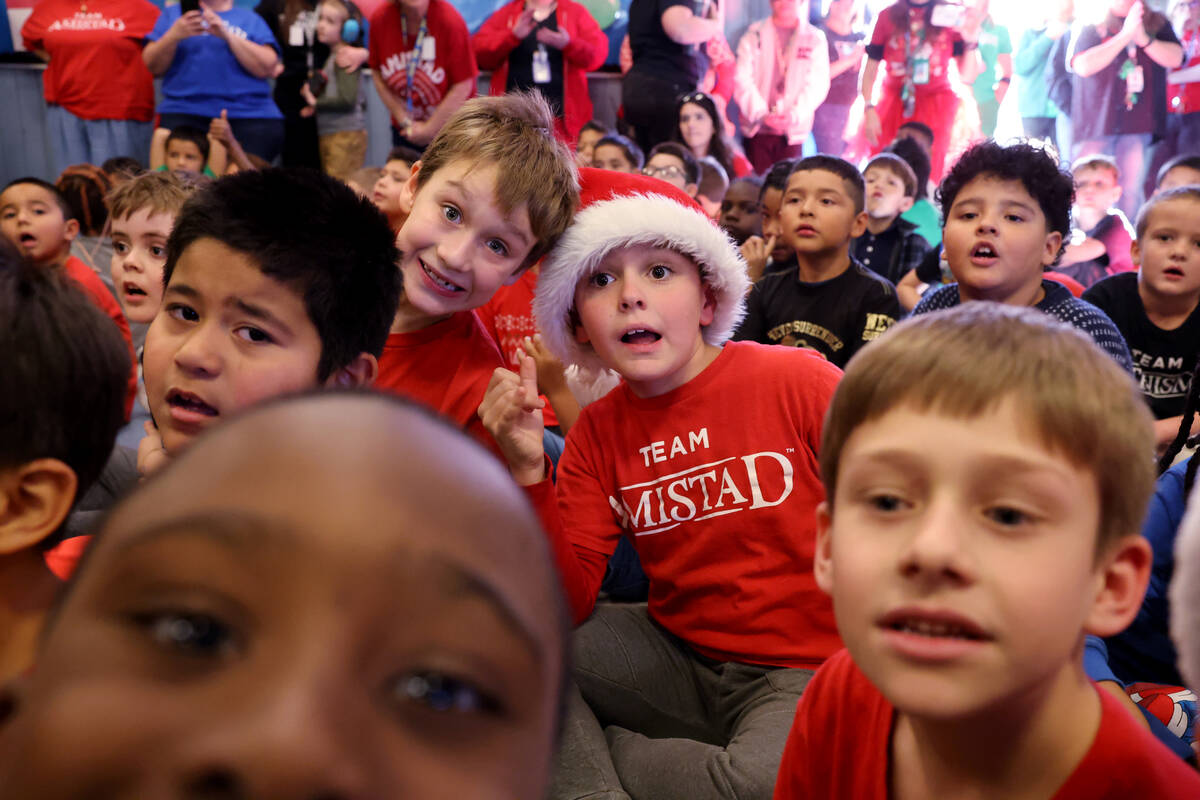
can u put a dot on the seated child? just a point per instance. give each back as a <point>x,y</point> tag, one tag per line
<point>675,164</point>
<point>64,371</point>
<point>1007,211</point>
<point>890,245</point>
<point>389,186</point>
<point>1099,243</point>
<point>585,146</point>
<point>741,215</point>
<point>617,153</point>
<point>36,218</point>
<point>1156,308</point>
<point>184,148</point>
<point>696,689</point>
<point>923,214</point>
<point>256,305</point>
<point>494,190</point>
<point>1179,171</point>
<point>831,304</point>
<point>335,596</point>
<point>982,516</point>
<point>363,180</point>
<point>342,105</point>
<point>714,182</point>
<point>84,186</point>
<point>768,253</point>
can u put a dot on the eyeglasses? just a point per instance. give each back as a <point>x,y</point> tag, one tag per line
<point>694,97</point>
<point>666,173</point>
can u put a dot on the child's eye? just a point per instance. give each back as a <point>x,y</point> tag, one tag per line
<point>1008,517</point>
<point>1164,237</point>
<point>659,271</point>
<point>189,633</point>
<point>443,693</point>
<point>158,252</point>
<point>183,313</point>
<point>498,247</point>
<point>967,215</point>
<point>600,280</point>
<point>1014,218</point>
<point>885,502</point>
<point>255,335</point>
<point>120,248</point>
<point>826,201</point>
<point>451,213</point>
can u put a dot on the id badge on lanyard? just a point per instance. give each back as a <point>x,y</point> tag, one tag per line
<point>920,70</point>
<point>541,65</point>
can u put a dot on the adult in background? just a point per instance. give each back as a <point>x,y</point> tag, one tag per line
<point>702,130</point>
<point>783,75</point>
<point>995,53</point>
<point>218,58</point>
<point>1030,66</point>
<point>1119,93</point>
<point>1183,96</point>
<point>665,38</point>
<point>423,66</point>
<point>846,51</point>
<point>545,45</point>
<point>99,94</point>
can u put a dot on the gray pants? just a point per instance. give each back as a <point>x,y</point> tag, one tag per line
<point>649,719</point>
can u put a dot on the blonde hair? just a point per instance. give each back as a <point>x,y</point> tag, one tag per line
<point>514,133</point>
<point>966,360</point>
<point>161,192</point>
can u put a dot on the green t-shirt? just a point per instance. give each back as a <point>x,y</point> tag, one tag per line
<point>927,220</point>
<point>993,41</point>
<point>207,172</point>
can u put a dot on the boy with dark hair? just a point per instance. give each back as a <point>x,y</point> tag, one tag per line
<point>698,687</point>
<point>591,133</point>
<point>494,190</point>
<point>617,153</point>
<point>390,184</point>
<point>1100,239</point>
<point>919,132</point>
<point>714,183</point>
<point>768,253</point>
<point>1179,171</point>
<point>183,148</point>
<point>675,164</point>
<point>1155,308</point>
<point>982,516</point>
<point>830,303</point>
<point>741,213</point>
<point>256,306</point>
<point>890,245</point>
<point>923,214</point>
<point>65,369</point>
<point>305,604</point>
<point>1007,211</point>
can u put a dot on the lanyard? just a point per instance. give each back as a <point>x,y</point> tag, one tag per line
<point>411,66</point>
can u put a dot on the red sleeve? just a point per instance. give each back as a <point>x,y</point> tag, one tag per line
<point>883,27</point>
<point>375,33</point>
<point>34,30</point>
<point>495,40</point>
<point>572,569</point>
<point>588,46</point>
<point>460,58</point>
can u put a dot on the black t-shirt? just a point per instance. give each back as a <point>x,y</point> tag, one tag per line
<point>1098,101</point>
<point>834,317</point>
<point>655,53</point>
<point>520,66</point>
<point>296,43</point>
<point>844,88</point>
<point>1162,360</point>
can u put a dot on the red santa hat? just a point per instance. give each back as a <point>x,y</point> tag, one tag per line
<point>621,210</point>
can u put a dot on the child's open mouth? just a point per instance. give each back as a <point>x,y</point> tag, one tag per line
<point>937,629</point>
<point>984,253</point>
<point>1173,272</point>
<point>188,407</point>
<point>640,336</point>
<point>134,291</point>
<point>27,240</point>
<point>439,282</point>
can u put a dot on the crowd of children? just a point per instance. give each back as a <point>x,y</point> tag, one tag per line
<point>404,445</point>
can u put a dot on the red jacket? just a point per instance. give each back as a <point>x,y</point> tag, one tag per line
<point>586,51</point>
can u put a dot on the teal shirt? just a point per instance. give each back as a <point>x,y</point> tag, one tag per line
<point>993,41</point>
<point>927,220</point>
<point>1029,67</point>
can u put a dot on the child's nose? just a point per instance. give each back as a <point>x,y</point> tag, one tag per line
<point>199,354</point>
<point>454,251</point>
<point>632,295</point>
<point>936,552</point>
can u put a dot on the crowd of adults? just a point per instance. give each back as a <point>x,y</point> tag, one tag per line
<point>1127,85</point>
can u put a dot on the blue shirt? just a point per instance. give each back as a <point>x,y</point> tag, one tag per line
<point>205,77</point>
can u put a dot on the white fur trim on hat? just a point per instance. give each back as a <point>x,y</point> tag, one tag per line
<point>640,219</point>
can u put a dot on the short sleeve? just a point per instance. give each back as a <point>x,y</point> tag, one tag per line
<point>460,66</point>
<point>34,29</point>
<point>165,20</point>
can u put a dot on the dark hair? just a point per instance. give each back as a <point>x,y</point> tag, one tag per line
<point>918,159</point>
<point>918,126</point>
<point>898,167</point>
<point>1037,170</point>
<point>49,187</point>
<point>313,233</point>
<point>595,126</point>
<point>1189,160</point>
<point>123,167</point>
<point>65,367</point>
<point>691,167</point>
<point>84,187</point>
<point>403,153</point>
<point>777,176</point>
<point>849,174</point>
<point>719,146</point>
<point>189,133</point>
<point>633,153</point>
<point>713,183</point>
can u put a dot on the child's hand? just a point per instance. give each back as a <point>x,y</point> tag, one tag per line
<point>551,377</point>
<point>310,102</point>
<point>756,251</point>
<point>151,456</point>
<point>512,412</point>
<point>220,129</point>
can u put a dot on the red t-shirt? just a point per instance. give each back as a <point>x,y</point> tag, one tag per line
<point>1184,98</point>
<point>446,57</point>
<point>508,317</point>
<point>99,294</point>
<point>933,44</point>
<point>716,485</point>
<point>96,69</point>
<point>447,367</point>
<point>840,743</point>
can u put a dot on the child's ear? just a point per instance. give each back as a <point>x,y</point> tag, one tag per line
<point>1053,245</point>
<point>859,226</point>
<point>906,203</point>
<point>709,309</point>
<point>692,189</point>
<point>35,498</point>
<point>359,373</point>
<point>1122,576</point>
<point>823,557</point>
<point>71,230</point>
<point>1135,254</point>
<point>408,194</point>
